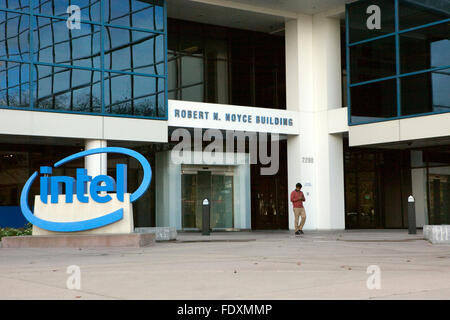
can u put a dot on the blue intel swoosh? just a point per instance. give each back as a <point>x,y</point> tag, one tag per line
<point>91,223</point>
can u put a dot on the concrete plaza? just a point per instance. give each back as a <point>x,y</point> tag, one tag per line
<point>243,265</point>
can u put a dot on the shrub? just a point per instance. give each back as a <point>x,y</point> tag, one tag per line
<point>11,232</point>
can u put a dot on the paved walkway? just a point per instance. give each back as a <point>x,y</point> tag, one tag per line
<point>244,265</point>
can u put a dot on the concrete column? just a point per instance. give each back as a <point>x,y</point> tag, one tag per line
<point>315,158</point>
<point>96,164</point>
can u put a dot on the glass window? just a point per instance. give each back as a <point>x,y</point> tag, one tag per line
<point>265,86</point>
<point>372,60</point>
<point>439,195</point>
<point>68,89</point>
<point>89,9</point>
<point>68,62</point>
<point>426,48</point>
<point>222,65</point>
<point>172,76</point>
<point>360,19</point>
<point>366,108</point>
<point>221,202</point>
<point>55,43</point>
<point>134,51</point>
<point>423,48</point>
<point>241,84</point>
<point>190,39</point>
<point>14,84</point>
<point>426,92</point>
<point>191,71</point>
<point>193,93</point>
<point>137,14</point>
<point>14,36</point>
<point>217,81</point>
<point>199,185</point>
<point>241,47</point>
<point>23,5</point>
<point>134,95</point>
<point>414,13</point>
<point>192,79</point>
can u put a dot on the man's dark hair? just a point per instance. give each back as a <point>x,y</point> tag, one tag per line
<point>298,185</point>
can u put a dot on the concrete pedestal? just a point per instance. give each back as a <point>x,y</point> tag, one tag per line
<point>162,233</point>
<point>77,211</point>
<point>437,234</point>
<point>131,240</point>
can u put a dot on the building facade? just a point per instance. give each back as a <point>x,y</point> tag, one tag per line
<point>350,98</point>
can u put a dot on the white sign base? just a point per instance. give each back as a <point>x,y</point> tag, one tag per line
<point>77,211</point>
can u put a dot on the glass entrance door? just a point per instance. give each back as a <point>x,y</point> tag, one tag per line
<point>439,189</point>
<point>222,201</point>
<point>215,185</point>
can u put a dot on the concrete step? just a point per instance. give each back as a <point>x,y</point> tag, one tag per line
<point>125,240</point>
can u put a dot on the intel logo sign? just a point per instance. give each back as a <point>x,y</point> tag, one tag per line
<point>97,191</point>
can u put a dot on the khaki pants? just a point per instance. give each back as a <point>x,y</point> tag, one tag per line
<point>299,212</point>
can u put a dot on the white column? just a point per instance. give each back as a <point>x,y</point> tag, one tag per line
<point>313,75</point>
<point>96,164</point>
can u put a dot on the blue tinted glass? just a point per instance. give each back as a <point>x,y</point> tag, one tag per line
<point>135,13</point>
<point>23,5</point>
<point>68,89</point>
<point>440,88</point>
<point>117,48</point>
<point>127,50</point>
<point>118,93</point>
<point>14,84</point>
<point>55,43</point>
<point>374,101</point>
<point>87,9</point>
<point>372,60</point>
<point>425,48</point>
<point>14,36</point>
<point>134,95</point>
<point>426,92</point>
<point>67,44</point>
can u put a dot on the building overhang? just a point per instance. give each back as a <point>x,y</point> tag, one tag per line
<point>424,130</point>
<point>79,126</point>
<point>263,15</point>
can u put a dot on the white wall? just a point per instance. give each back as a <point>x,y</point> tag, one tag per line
<point>65,125</point>
<point>419,188</point>
<point>419,191</point>
<point>168,191</point>
<point>425,127</point>
<point>313,75</point>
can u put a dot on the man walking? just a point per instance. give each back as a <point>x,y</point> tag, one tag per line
<point>297,199</point>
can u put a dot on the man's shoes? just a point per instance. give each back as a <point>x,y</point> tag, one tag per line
<point>297,233</point>
<point>301,232</point>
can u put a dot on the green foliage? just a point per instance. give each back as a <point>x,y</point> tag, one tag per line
<point>11,232</point>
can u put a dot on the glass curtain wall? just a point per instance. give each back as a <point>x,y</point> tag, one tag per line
<point>400,67</point>
<point>97,57</point>
<point>431,184</point>
<point>377,186</point>
<point>228,66</point>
